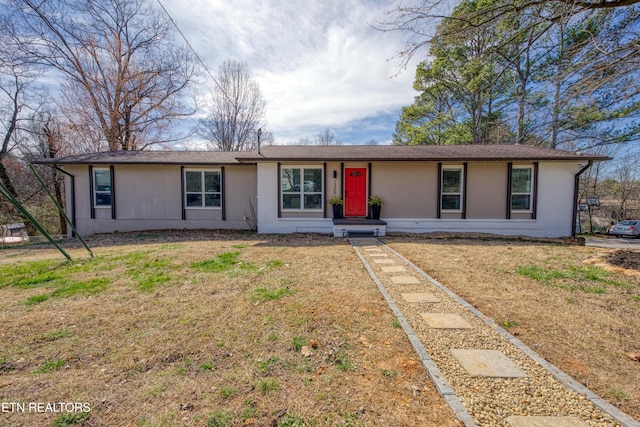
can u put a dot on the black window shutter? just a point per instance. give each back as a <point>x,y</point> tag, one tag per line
<point>91,194</point>
<point>509,177</point>
<point>222,196</point>
<point>439,214</point>
<point>113,192</point>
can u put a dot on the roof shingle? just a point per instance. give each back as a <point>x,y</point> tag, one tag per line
<point>412,152</point>
<point>493,152</point>
<point>149,157</point>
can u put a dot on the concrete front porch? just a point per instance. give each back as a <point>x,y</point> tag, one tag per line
<point>348,227</point>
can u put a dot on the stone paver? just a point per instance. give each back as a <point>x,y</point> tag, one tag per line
<point>378,255</point>
<point>420,297</point>
<point>405,280</point>
<point>519,421</point>
<point>487,363</point>
<point>394,269</point>
<point>445,321</point>
<point>384,261</point>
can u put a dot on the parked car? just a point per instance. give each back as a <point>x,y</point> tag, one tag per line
<point>629,227</point>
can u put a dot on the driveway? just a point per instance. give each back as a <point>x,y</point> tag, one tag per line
<point>613,243</point>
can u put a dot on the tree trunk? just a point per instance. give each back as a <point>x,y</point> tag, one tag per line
<point>6,180</point>
<point>555,118</point>
<point>57,189</point>
<point>522,89</point>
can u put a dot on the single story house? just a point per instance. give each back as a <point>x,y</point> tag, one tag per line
<point>499,189</point>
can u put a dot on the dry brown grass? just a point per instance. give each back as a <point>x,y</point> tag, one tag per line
<point>585,334</point>
<point>202,346</point>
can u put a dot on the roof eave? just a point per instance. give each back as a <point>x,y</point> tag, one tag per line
<point>137,163</point>
<point>429,159</point>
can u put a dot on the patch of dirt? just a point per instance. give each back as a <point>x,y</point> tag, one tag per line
<point>625,259</point>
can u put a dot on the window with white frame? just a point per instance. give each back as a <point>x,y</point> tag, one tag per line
<point>102,188</point>
<point>521,188</point>
<point>451,190</point>
<point>203,188</point>
<point>301,188</point>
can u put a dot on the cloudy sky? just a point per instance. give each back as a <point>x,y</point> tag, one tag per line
<point>319,63</point>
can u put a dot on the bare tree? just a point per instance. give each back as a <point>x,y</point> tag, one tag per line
<point>626,172</point>
<point>304,140</point>
<point>326,137</point>
<point>20,96</point>
<point>123,74</point>
<point>46,141</point>
<point>236,111</point>
<point>12,91</point>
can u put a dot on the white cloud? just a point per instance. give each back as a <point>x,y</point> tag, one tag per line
<point>319,64</point>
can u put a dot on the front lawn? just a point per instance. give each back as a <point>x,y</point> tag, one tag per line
<point>203,328</point>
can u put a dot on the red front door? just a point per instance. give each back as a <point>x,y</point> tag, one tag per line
<point>355,192</point>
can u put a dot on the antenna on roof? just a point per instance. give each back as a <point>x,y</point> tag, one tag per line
<point>259,133</point>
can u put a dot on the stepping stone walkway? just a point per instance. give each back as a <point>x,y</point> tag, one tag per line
<point>487,376</point>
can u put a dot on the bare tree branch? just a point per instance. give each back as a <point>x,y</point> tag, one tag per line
<point>236,111</point>
<point>123,74</point>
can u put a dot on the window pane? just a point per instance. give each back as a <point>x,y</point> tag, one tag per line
<point>212,182</point>
<point>451,181</point>
<point>312,201</point>
<point>521,180</point>
<point>194,182</point>
<point>291,201</point>
<point>212,200</point>
<point>521,202</point>
<point>313,180</point>
<point>194,200</point>
<point>103,199</point>
<point>290,180</point>
<point>103,180</point>
<point>450,202</point>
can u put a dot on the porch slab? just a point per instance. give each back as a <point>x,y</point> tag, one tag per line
<point>394,269</point>
<point>343,227</point>
<point>420,297</point>
<point>487,363</point>
<point>358,221</point>
<point>405,280</point>
<point>445,321</point>
<point>522,421</point>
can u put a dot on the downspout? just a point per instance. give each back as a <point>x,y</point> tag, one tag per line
<point>576,184</point>
<point>73,197</point>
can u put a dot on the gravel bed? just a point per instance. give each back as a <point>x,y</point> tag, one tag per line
<point>488,400</point>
